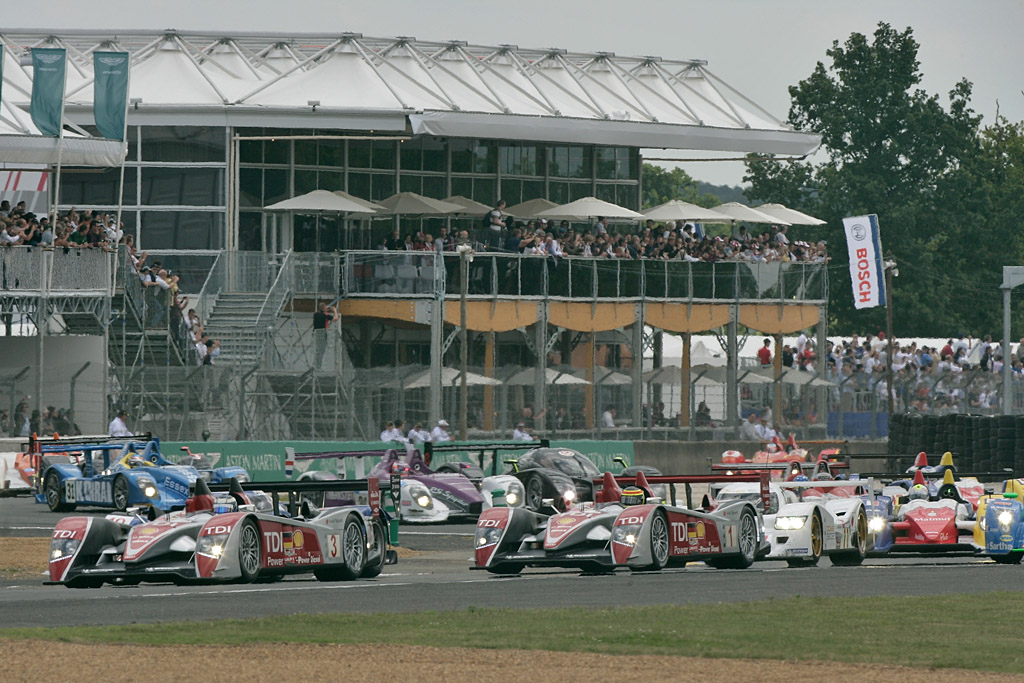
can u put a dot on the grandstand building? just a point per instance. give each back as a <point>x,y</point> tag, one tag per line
<point>221,125</point>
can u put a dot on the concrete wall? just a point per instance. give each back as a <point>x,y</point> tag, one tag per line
<point>62,357</point>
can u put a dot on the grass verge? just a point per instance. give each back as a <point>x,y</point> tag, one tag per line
<point>971,632</point>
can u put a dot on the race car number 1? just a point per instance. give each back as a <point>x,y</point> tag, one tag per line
<point>333,545</point>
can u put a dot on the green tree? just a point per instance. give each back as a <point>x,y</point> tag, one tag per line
<point>932,176</point>
<point>662,185</point>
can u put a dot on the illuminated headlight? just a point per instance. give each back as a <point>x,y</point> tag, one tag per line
<point>212,545</point>
<point>514,494</point>
<point>569,496</point>
<point>63,547</point>
<point>1005,517</point>
<point>625,534</point>
<point>790,523</point>
<point>984,527</point>
<point>876,525</point>
<point>148,488</point>
<point>421,497</point>
<point>485,537</point>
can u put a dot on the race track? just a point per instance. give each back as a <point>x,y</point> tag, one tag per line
<point>438,577</point>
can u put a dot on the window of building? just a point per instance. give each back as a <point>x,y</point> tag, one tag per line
<point>182,186</point>
<point>96,187</point>
<point>569,162</point>
<point>183,143</point>
<point>614,163</point>
<point>518,159</point>
<point>182,230</point>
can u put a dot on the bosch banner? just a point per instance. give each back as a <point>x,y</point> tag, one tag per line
<point>865,247</point>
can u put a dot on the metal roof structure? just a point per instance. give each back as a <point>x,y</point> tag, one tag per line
<point>449,88</point>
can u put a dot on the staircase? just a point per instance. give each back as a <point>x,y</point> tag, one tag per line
<point>233,321</point>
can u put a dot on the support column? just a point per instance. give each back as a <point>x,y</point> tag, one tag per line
<point>638,367</point>
<point>732,365</point>
<point>684,383</point>
<point>540,341</point>
<point>489,390</point>
<point>436,344</point>
<point>1007,356</point>
<point>777,389</point>
<point>588,405</point>
<point>822,364</point>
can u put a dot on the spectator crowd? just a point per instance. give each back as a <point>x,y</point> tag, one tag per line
<point>24,423</point>
<point>680,240</point>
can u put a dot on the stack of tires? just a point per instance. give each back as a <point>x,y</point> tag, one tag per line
<point>1006,440</point>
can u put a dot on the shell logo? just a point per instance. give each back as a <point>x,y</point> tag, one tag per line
<point>296,539</point>
<point>567,520</point>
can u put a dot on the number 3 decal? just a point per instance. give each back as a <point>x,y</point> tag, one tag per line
<point>332,545</point>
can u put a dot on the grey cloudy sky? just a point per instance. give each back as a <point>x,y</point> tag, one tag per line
<point>760,47</point>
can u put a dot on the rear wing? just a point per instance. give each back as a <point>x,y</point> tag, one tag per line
<point>785,465</point>
<point>481,449</point>
<point>291,455</point>
<point>868,484</point>
<point>688,480</point>
<point>373,487</point>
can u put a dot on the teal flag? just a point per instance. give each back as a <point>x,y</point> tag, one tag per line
<point>48,74</point>
<point>110,92</point>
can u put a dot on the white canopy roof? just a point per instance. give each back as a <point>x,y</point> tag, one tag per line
<point>449,88</point>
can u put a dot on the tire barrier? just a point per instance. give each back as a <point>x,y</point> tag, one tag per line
<point>979,443</point>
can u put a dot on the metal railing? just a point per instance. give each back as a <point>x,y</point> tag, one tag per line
<point>35,270</point>
<point>425,274</point>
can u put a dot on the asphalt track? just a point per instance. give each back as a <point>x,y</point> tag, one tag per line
<point>439,578</point>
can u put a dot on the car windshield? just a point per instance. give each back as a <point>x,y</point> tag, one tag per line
<point>566,462</point>
<point>752,496</point>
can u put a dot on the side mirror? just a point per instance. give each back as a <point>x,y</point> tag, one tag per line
<point>620,460</point>
<point>514,462</point>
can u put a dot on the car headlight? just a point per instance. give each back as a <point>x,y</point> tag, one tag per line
<point>212,545</point>
<point>569,496</point>
<point>1005,518</point>
<point>514,494</point>
<point>63,547</point>
<point>421,496</point>
<point>876,524</point>
<point>148,488</point>
<point>625,534</point>
<point>984,527</point>
<point>486,537</point>
<point>790,523</point>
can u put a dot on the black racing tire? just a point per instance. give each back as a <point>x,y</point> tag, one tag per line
<point>51,489</point>
<point>854,557</point>
<point>748,540</point>
<point>85,582</point>
<point>1008,558</point>
<point>534,493</point>
<point>380,545</point>
<point>249,551</point>
<point>506,569</point>
<point>660,543</point>
<point>120,493</point>
<point>353,552</point>
<point>817,543</point>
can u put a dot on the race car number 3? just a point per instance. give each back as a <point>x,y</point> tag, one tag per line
<point>333,545</point>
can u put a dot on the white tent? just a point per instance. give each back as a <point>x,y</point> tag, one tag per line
<point>527,376</point>
<point>450,377</point>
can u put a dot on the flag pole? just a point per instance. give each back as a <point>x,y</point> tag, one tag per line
<point>124,150</point>
<point>60,149</point>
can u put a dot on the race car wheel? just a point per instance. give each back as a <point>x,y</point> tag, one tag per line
<point>659,543</point>
<point>506,569</point>
<point>51,489</point>
<point>249,551</point>
<point>853,558</point>
<point>534,493</point>
<point>353,552</point>
<point>380,546</point>
<point>1009,558</point>
<point>817,542</point>
<point>120,494</point>
<point>748,537</point>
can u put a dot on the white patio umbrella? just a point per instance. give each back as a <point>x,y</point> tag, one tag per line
<point>792,216</point>
<point>320,201</point>
<point>589,207</point>
<point>469,207</point>
<point>604,376</point>
<point>359,200</point>
<point>527,376</point>
<point>449,377</point>
<point>745,214</point>
<point>796,377</point>
<point>670,375</point>
<point>676,210</point>
<point>412,204</point>
<point>530,209</point>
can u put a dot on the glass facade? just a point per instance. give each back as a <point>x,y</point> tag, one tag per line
<point>176,184</point>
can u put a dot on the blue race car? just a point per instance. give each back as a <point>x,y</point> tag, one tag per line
<point>115,474</point>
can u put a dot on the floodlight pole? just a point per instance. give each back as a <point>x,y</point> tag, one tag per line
<point>889,266</point>
<point>464,350</point>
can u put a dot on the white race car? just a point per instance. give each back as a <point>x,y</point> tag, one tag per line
<point>808,519</point>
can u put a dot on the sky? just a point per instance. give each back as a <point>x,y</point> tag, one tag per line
<point>760,47</point>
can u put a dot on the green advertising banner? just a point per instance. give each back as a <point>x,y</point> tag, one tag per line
<point>48,74</point>
<point>110,92</point>
<point>264,460</point>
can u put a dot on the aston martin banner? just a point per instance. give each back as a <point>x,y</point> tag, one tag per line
<point>110,92</point>
<point>48,74</point>
<point>865,247</point>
